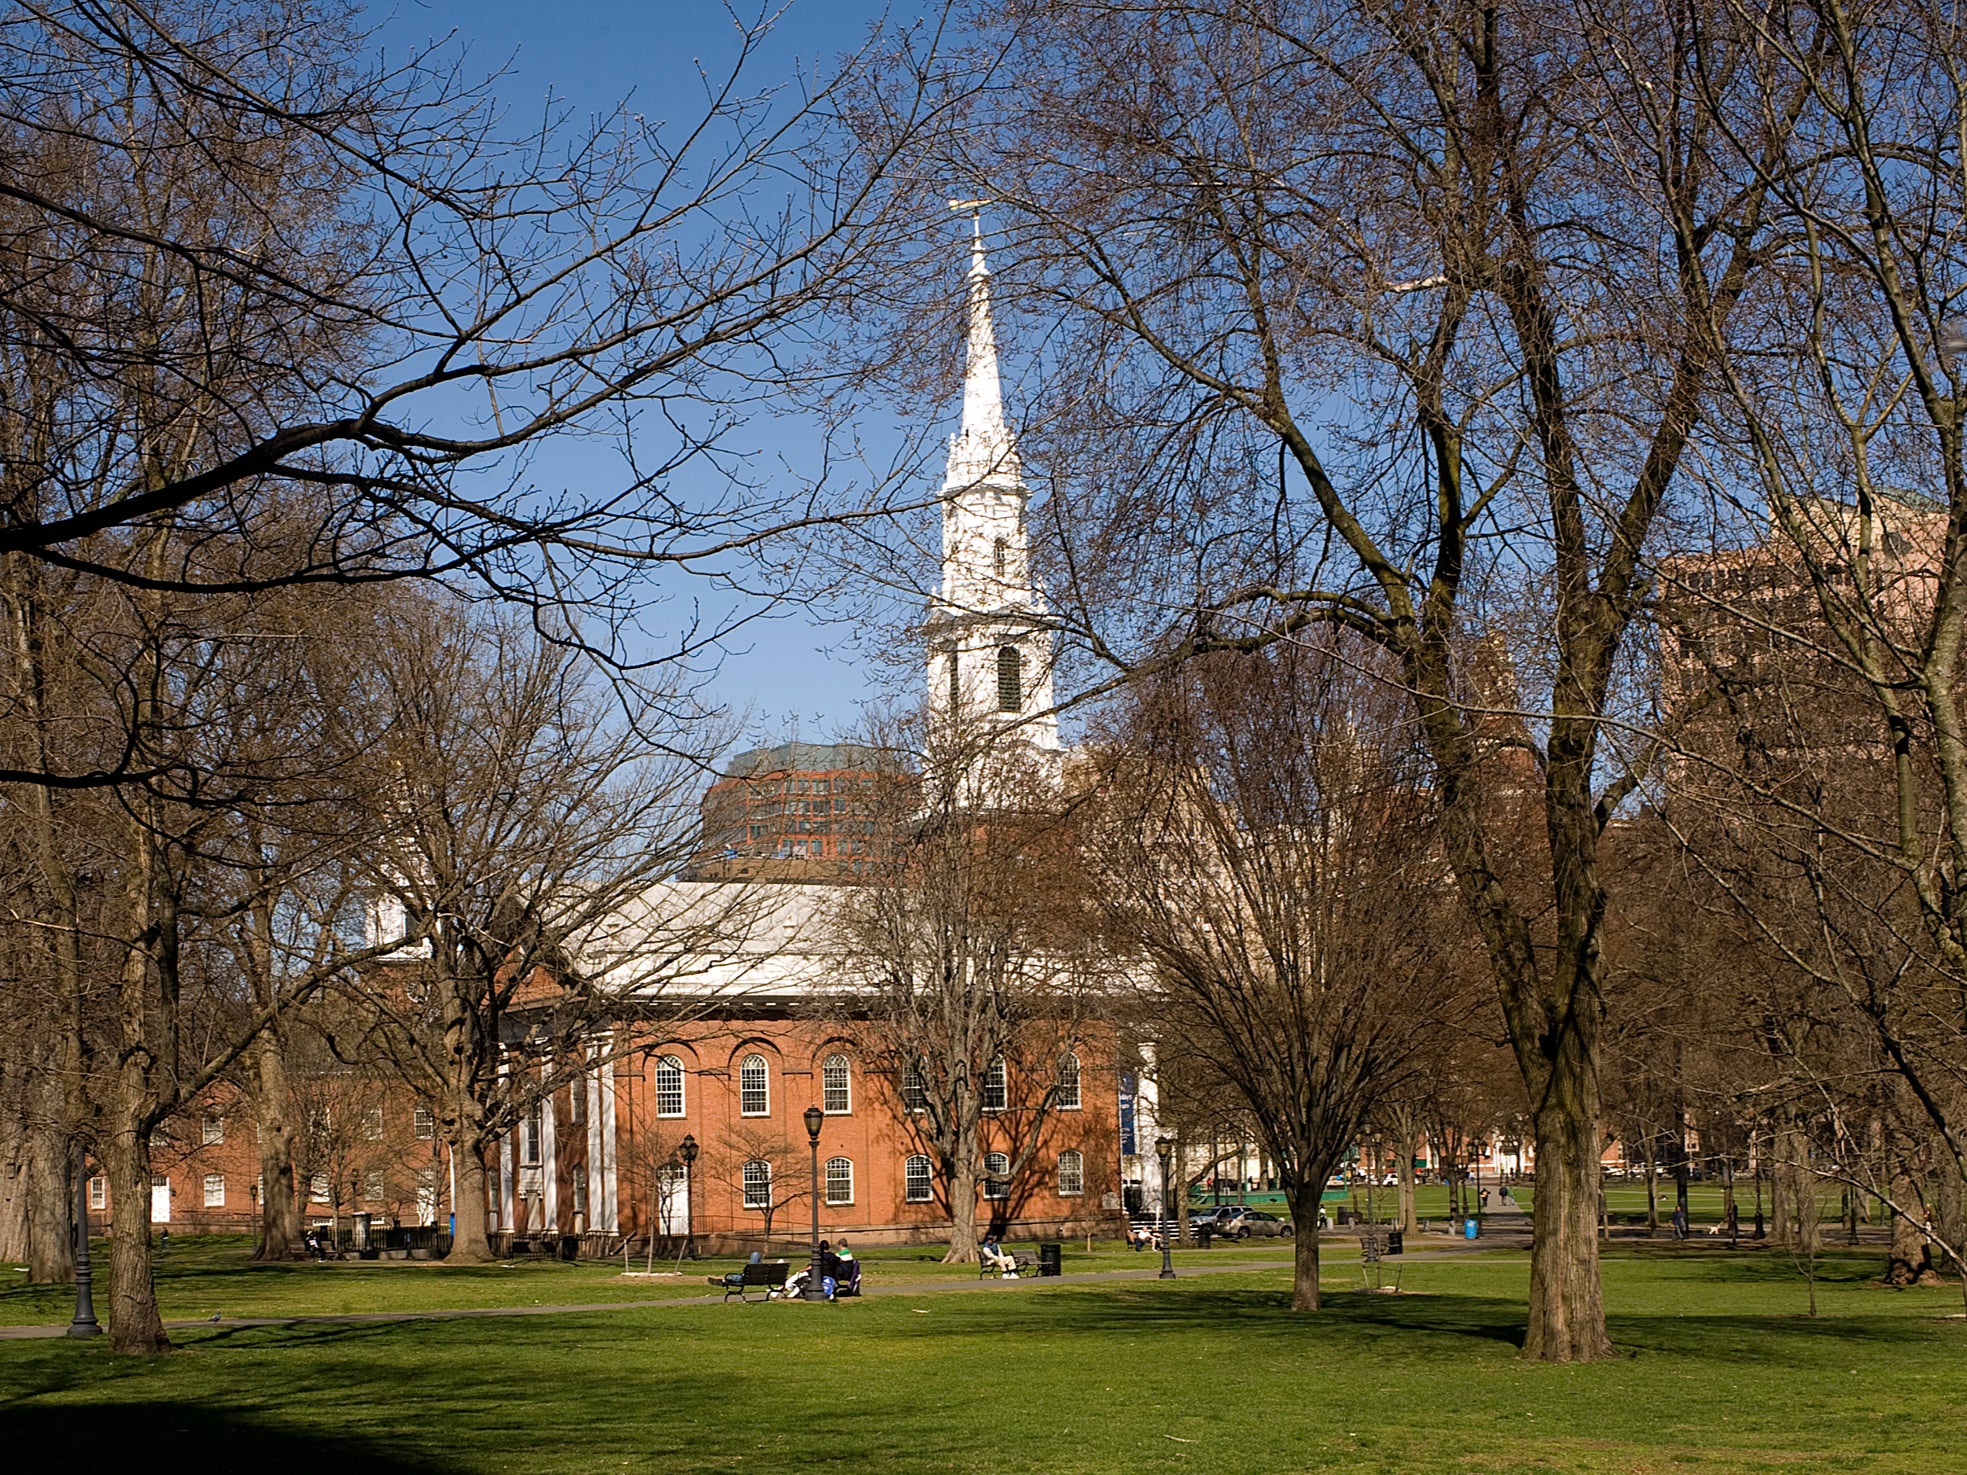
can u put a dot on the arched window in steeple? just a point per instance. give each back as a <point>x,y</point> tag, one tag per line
<point>955,684</point>
<point>1000,556</point>
<point>1010,678</point>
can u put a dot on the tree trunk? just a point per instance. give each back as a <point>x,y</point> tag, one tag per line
<point>1793,1191</point>
<point>1652,1187</point>
<point>134,1324</point>
<point>963,1205</point>
<point>1908,1254</point>
<point>48,1206</point>
<point>1306,1201</point>
<point>1567,1308</point>
<point>471,1242</point>
<point>280,1216</point>
<point>1409,1218</point>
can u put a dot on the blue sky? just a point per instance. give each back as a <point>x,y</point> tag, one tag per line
<point>792,675</point>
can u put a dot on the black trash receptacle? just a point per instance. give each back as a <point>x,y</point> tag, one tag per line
<point>1203,1235</point>
<point>1396,1241</point>
<point>1051,1260</point>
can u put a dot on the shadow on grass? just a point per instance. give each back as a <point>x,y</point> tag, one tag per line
<point>172,1437</point>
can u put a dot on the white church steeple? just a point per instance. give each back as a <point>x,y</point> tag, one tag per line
<point>990,632</point>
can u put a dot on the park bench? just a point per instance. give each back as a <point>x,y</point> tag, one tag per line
<point>1021,1263</point>
<point>768,1276</point>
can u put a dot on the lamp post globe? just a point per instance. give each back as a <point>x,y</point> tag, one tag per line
<point>1165,1147</point>
<point>815,1119</point>
<point>688,1150</point>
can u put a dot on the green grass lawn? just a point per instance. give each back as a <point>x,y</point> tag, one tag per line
<point>1722,1372</point>
<point>202,1274</point>
<point>1625,1197</point>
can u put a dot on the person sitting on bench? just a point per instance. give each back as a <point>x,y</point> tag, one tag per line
<point>996,1258</point>
<point>736,1277</point>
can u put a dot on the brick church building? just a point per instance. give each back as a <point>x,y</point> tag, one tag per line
<point>698,1129</point>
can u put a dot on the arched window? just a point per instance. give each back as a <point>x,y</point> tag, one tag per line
<point>997,1176</point>
<point>757,1185</point>
<point>839,1180</point>
<point>996,1087</point>
<point>669,1086</point>
<point>754,1088</point>
<point>1068,1099</point>
<point>1000,556</point>
<point>836,1086</point>
<point>1072,1173</point>
<point>955,684</point>
<point>1010,678</point>
<point>918,1187</point>
<point>915,1089</point>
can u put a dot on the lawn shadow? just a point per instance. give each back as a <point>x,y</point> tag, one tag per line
<point>157,1437</point>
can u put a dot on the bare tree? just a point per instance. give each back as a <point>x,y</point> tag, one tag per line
<point>257,275</point>
<point>1465,271</point>
<point>1266,845</point>
<point>968,972</point>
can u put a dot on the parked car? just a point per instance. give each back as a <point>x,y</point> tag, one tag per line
<point>1240,1221</point>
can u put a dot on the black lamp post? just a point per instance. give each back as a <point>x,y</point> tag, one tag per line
<point>815,1118</point>
<point>84,1324</point>
<point>1166,1147</point>
<point>688,1151</point>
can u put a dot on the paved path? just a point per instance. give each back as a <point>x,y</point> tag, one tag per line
<point>1150,1271</point>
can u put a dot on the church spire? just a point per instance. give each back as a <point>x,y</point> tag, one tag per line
<point>983,449</point>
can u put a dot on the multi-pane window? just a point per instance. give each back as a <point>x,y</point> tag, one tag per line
<point>917,1185</point>
<point>996,1087</point>
<point>757,1185</point>
<point>373,1188</point>
<point>98,1193</point>
<point>215,1190</point>
<point>372,1124</point>
<point>997,1175</point>
<point>423,1121</point>
<point>577,1101</point>
<point>580,1189</point>
<point>754,1089</point>
<point>915,1089</point>
<point>1010,678</point>
<point>669,1086</point>
<point>530,1131</point>
<point>426,1195</point>
<point>214,1133</point>
<point>839,1180</point>
<point>317,1188</point>
<point>836,1085</point>
<point>1068,1097</point>
<point>1072,1173</point>
<point>955,683</point>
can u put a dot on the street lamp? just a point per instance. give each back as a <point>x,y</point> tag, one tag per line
<point>1165,1146</point>
<point>84,1324</point>
<point>688,1151</point>
<point>815,1118</point>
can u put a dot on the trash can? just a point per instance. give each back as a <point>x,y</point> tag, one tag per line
<point>1203,1235</point>
<point>1396,1242</point>
<point>1471,1227</point>
<point>1051,1260</point>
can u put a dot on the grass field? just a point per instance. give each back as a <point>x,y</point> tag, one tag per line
<point>1625,1198</point>
<point>1721,1371</point>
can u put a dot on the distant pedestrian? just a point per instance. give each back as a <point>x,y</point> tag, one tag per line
<point>1679,1221</point>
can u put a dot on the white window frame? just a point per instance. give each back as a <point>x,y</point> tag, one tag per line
<point>215,1190</point>
<point>839,1180</point>
<point>1072,1186</point>
<point>914,1088</point>
<point>1069,1076</point>
<point>837,1064</point>
<point>532,1132</point>
<point>997,1178</point>
<point>98,1192</point>
<point>757,1184</point>
<point>927,1176</point>
<point>375,1187</point>
<point>212,1132</point>
<point>996,1084</point>
<point>670,1075</point>
<point>374,1123</point>
<point>318,1188</point>
<point>423,1122</point>
<point>763,1087</point>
